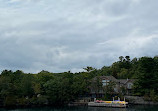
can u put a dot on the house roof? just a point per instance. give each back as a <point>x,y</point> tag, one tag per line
<point>112,78</point>
<point>108,77</point>
<point>125,81</point>
<point>131,80</point>
<point>122,81</point>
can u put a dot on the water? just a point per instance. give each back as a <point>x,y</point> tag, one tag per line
<point>131,108</point>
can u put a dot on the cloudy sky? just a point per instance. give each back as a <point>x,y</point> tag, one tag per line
<point>63,35</point>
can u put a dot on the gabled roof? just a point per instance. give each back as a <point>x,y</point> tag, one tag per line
<point>112,78</point>
<point>107,77</point>
<point>125,81</point>
<point>131,80</point>
<point>122,81</point>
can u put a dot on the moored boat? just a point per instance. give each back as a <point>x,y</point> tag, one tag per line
<point>114,103</point>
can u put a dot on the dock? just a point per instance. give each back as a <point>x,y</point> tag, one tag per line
<point>115,104</point>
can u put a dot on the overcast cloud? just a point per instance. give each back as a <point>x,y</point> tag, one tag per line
<point>63,35</point>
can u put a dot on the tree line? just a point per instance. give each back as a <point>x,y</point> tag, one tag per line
<point>43,88</point>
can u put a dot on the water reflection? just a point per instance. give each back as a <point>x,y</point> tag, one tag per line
<point>106,109</point>
<point>131,108</point>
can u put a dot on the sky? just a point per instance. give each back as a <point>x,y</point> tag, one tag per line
<point>68,35</point>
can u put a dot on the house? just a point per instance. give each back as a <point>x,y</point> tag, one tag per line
<point>100,85</point>
<point>127,84</point>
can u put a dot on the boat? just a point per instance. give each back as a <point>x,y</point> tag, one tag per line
<point>114,103</point>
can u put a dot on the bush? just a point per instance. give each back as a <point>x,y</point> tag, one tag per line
<point>153,96</point>
<point>42,100</point>
<point>10,101</point>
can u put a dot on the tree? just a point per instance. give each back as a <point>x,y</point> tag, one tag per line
<point>96,85</point>
<point>123,73</point>
<point>146,77</point>
<point>109,90</point>
<point>89,69</point>
<point>26,85</point>
<point>121,58</point>
<point>127,58</point>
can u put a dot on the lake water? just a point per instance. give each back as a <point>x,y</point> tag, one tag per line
<point>131,108</point>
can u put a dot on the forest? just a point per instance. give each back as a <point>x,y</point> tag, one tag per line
<point>43,88</point>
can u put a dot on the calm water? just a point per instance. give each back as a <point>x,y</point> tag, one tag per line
<point>131,108</point>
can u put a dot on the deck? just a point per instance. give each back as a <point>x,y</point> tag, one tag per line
<point>112,104</point>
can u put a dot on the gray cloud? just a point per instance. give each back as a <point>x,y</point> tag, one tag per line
<point>67,35</point>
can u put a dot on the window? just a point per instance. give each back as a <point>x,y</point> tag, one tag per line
<point>105,82</point>
<point>129,86</point>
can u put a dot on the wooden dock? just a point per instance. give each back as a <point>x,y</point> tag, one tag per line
<point>112,104</point>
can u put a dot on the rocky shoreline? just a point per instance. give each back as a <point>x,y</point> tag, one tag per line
<point>139,100</point>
